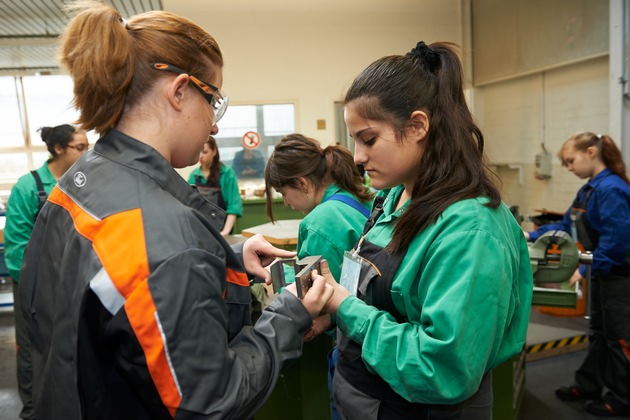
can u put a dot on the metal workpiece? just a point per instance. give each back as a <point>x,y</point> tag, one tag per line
<point>291,270</point>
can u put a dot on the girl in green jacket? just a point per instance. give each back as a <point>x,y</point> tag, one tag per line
<point>437,291</point>
<point>218,184</point>
<point>328,188</point>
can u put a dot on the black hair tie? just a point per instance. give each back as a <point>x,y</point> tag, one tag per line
<point>427,57</point>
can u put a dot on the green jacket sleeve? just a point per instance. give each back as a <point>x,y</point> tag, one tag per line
<point>467,296</point>
<point>20,219</point>
<point>230,192</point>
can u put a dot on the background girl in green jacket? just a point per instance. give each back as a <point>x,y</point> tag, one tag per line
<point>218,183</point>
<point>328,188</point>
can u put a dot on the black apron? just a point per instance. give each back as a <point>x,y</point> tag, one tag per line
<point>583,231</point>
<point>212,193</point>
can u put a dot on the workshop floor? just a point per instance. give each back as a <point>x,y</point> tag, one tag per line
<point>556,368</point>
<point>542,375</point>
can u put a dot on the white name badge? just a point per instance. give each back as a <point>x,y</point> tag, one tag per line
<point>350,272</point>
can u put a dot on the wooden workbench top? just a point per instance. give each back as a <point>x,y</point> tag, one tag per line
<point>282,232</point>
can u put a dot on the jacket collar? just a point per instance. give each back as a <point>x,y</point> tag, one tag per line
<point>331,190</point>
<point>594,182</point>
<point>141,157</point>
<point>45,174</point>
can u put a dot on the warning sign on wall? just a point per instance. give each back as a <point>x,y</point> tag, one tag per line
<point>251,140</point>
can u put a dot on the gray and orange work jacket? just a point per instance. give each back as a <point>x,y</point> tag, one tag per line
<point>136,307</point>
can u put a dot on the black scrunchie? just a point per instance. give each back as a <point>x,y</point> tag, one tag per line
<point>422,52</point>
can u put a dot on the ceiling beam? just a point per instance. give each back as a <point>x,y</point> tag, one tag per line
<point>21,41</point>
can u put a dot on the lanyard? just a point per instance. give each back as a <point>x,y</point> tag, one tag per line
<point>377,211</point>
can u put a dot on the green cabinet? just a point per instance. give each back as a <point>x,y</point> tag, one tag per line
<point>508,387</point>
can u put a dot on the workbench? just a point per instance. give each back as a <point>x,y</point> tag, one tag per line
<point>255,213</point>
<point>281,233</point>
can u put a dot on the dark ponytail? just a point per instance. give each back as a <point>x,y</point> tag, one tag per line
<point>452,167</point>
<point>344,172</point>
<point>298,156</point>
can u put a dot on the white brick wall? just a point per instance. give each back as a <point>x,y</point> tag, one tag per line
<point>517,115</point>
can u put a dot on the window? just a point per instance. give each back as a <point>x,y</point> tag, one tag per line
<point>13,165</point>
<point>271,121</point>
<point>48,102</point>
<point>11,128</point>
<point>26,104</point>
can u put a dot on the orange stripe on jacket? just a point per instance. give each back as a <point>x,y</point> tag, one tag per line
<point>128,268</point>
<point>126,265</point>
<point>624,347</point>
<point>140,310</point>
<point>237,277</point>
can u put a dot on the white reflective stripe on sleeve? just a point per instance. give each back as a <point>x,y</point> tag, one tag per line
<point>168,355</point>
<point>107,293</point>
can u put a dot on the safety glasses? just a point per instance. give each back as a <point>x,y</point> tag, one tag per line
<point>217,99</point>
<point>81,147</point>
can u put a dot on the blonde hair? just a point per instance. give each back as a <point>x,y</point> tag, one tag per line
<point>109,58</point>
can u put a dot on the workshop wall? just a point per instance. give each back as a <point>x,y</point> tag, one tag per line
<point>309,52</point>
<point>541,73</point>
<point>518,115</point>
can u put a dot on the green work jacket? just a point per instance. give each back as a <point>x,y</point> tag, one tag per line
<point>331,228</point>
<point>21,210</point>
<point>465,287</point>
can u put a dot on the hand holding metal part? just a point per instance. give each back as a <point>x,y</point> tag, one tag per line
<point>290,270</point>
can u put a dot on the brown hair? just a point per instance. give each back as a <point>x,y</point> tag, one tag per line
<point>298,156</point>
<point>215,166</point>
<point>452,166</point>
<point>109,58</point>
<point>607,150</point>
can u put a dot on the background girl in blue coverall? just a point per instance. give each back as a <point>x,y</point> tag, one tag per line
<point>438,291</point>
<point>327,187</point>
<point>66,144</point>
<point>213,174</point>
<point>600,218</point>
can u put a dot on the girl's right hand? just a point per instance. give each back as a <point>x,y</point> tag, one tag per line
<point>317,296</point>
